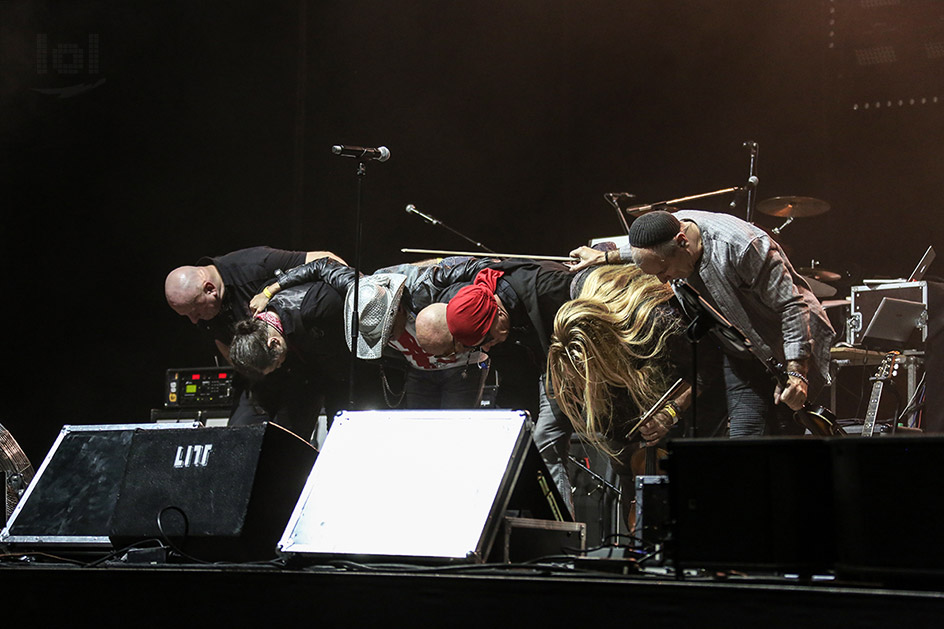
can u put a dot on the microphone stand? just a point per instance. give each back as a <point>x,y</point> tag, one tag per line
<point>411,209</point>
<point>614,198</point>
<point>704,318</point>
<point>752,182</point>
<point>360,173</point>
<point>605,487</point>
<point>362,155</point>
<point>637,210</point>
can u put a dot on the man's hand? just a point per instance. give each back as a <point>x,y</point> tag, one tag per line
<point>796,392</point>
<point>794,395</point>
<point>586,257</point>
<point>656,427</point>
<point>258,303</point>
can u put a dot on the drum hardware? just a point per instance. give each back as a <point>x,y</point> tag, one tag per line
<point>16,473</point>
<point>816,276</point>
<point>821,290</point>
<point>818,273</point>
<point>776,230</point>
<point>834,303</point>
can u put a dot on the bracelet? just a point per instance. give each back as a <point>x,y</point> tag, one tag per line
<point>797,374</point>
<point>265,291</point>
<point>672,410</point>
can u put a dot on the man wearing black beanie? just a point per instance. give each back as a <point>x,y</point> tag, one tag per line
<point>746,276</point>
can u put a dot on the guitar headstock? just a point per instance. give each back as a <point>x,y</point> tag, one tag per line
<point>889,367</point>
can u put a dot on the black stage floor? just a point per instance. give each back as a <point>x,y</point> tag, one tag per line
<point>458,596</point>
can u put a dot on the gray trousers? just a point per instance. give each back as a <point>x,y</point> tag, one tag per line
<point>552,432</point>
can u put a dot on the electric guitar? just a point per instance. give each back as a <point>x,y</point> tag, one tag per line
<point>886,371</point>
<point>819,420</point>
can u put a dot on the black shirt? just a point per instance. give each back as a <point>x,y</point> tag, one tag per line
<point>245,273</point>
<point>312,323</point>
<point>537,291</point>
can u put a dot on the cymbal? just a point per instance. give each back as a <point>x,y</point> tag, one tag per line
<point>818,273</point>
<point>797,207</point>
<point>820,289</point>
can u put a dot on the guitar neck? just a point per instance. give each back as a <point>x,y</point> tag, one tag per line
<point>869,426</point>
<point>887,369</point>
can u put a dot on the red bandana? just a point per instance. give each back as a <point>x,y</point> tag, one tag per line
<point>272,319</point>
<point>470,313</point>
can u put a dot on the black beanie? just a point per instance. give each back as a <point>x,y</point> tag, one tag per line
<point>653,229</point>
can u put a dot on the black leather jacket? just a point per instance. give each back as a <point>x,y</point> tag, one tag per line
<point>425,284</point>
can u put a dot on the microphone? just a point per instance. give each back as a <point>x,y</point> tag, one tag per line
<point>381,153</point>
<point>411,209</point>
<point>741,192</point>
<point>614,198</point>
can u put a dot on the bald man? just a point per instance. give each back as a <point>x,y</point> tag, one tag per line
<point>214,294</point>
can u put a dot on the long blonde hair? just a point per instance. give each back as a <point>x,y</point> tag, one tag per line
<point>612,337</point>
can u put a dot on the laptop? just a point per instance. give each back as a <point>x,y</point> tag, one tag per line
<point>916,275</point>
<point>923,264</point>
<point>894,320</point>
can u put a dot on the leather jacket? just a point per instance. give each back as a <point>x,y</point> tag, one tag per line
<point>425,284</point>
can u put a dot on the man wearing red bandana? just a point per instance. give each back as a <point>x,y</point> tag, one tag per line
<point>511,300</point>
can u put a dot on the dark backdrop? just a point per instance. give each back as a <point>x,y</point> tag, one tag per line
<point>140,136</point>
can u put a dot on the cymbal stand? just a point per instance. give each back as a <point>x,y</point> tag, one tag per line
<point>777,230</point>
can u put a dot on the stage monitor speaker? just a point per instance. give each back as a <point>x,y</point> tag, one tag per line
<point>70,501</point>
<point>760,503</point>
<point>888,507</point>
<point>212,494</point>
<point>424,485</point>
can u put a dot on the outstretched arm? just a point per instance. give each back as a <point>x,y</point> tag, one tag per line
<point>588,256</point>
<point>325,269</point>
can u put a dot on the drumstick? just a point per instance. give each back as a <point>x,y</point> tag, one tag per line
<point>476,254</point>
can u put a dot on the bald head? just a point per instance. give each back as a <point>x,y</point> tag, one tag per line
<point>183,285</point>
<point>193,292</point>
<point>432,333</point>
